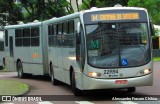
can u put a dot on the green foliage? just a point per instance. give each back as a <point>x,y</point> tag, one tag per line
<point>87,4</point>
<point>156,33</point>
<point>12,87</point>
<point>42,10</point>
<point>151,5</point>
<point>10,12</point>
<point>156,59</point>
<point>84,5</point>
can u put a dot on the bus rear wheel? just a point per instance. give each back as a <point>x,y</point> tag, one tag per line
<point>20,70</point>
<point>75,90</point>
<point>131,89</point>
<point>53,80</point>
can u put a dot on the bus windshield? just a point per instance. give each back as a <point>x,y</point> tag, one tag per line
<point>111,45</point>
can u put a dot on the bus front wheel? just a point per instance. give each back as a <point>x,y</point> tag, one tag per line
<point>76,91</point>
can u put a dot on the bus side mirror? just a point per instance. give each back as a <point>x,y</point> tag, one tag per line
<point>151,28</point>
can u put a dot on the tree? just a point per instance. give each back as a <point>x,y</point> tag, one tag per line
<point>151,5</point>
<point>44,9</point>
<point>87,4</point>
<point>29,6</point>
<point>10,12</point>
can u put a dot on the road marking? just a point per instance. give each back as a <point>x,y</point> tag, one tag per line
<point>7,103</point>
<point>83,102</point>
<point>45,102</point>
<point>128,102</point>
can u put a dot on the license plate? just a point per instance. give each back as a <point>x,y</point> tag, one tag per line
<point>111,71</point>
<point>121,82</point>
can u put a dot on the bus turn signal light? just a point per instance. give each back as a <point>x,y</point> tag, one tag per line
<point>147,71</point>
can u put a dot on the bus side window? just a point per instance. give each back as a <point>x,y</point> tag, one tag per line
<point>65,34</point>
<point>52,35</point>
<point>1,45</point>
<point>18,38</point>
<point>6,38</point>
<point>71,34</point>
<point>26,37</point>
<point>49,35</point>
<point>59,33</point>
<point>35,36</point>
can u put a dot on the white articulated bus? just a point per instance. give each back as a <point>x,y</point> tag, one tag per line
<point>2,56</point>
<point>100,48</point>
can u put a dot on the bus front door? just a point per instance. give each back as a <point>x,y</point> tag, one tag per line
<point>11,54</point>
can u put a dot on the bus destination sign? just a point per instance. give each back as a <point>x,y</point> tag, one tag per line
<point>118,16</point>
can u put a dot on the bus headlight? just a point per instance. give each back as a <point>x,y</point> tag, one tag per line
<point>145,71</point>
<point>94,74</point>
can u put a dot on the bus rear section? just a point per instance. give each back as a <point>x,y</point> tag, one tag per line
<point>23,48</point>
<point>118,49</point>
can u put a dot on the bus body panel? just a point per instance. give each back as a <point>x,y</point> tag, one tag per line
<point>132,75</point>
<point>30,56</point>
<point>44,48</point>
<point>122,72</point>
<point>146,80</point>
<point>24,58</point>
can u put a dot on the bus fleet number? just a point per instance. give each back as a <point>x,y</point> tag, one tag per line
<point>111,71</point>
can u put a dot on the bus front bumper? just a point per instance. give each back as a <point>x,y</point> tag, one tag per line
<point>93,83</point>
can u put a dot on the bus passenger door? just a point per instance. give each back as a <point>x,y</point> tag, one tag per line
<point>80,54</point>
<point>11,53</point>
<point>80,47</point>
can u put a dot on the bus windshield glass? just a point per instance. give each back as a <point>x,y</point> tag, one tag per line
<point>111,45</point>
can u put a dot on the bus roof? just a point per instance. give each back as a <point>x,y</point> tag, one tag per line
<point>74,15</point>
<point>22,25</point>
<point>113,8</point>
<point>93,9</point>
<point>70,16</point>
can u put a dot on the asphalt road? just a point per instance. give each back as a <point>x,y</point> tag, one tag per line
<point>62,93</point>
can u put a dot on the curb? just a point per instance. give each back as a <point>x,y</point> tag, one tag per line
<point>24,93</point>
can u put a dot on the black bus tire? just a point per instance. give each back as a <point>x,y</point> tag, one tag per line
<point>75,90</point>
